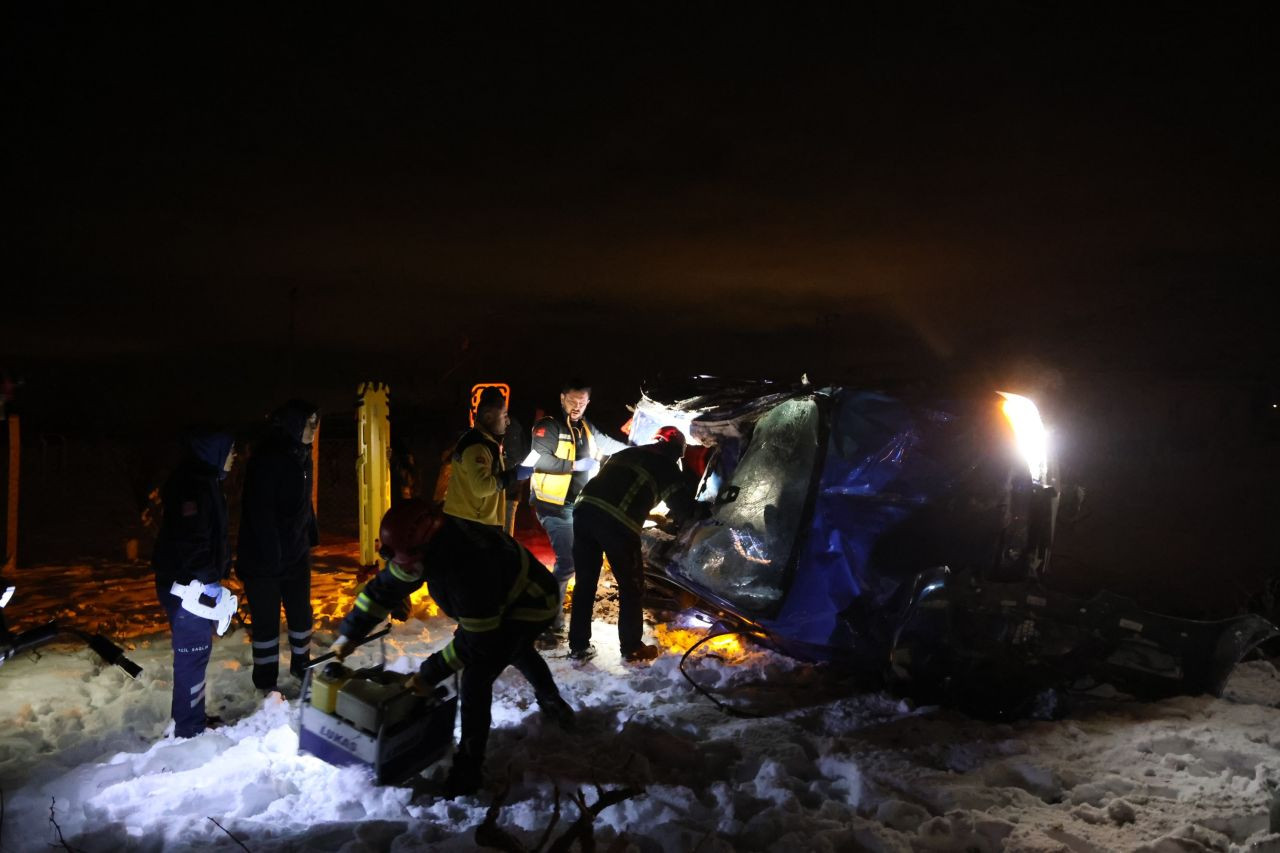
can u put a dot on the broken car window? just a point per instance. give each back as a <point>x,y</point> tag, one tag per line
<point>741,553</point>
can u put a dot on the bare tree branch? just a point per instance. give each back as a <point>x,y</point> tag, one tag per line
<point>232,837</point>
<point>581,831</point>
<point>489,834</point>
<point>53,801</point>
<point>555,819</point>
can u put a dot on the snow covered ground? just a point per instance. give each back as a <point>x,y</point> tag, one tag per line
<point>828,767</point>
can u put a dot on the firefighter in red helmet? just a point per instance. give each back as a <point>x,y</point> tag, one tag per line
<point>499,594</point>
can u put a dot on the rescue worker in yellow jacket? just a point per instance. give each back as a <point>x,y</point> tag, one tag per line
<point>569,449</point>
<point>478,484</point>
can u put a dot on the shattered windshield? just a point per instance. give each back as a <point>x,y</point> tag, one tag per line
<point>741,553</point>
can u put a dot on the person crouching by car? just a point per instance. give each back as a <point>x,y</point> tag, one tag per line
<point>499,594</point>
<point>192,548</point>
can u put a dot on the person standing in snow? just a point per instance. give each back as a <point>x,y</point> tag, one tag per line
<point>479,478</point>
<point>192,546</point>
<point>277,532</point>
<point>607,521</point>
<point>569,449</point>
<point>499,594</point>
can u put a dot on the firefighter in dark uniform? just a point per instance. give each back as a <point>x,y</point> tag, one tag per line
<point>569,449</point>
<point>192,545</point>
<point>499,594</point>
<point>277,532</point>
<point>479,477</point>
<point>607,521</point>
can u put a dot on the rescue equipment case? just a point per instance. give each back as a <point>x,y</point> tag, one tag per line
<point>368,717</point>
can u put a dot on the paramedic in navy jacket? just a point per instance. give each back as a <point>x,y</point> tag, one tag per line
<point>192,545</point>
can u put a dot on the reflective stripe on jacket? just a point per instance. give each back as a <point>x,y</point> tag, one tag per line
<point>481,578</point>
<point>633,482</point>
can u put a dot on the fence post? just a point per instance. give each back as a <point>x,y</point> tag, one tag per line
<point>11,501</point>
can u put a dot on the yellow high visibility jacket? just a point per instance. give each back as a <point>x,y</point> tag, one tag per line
<point>553,487</point>
<point>476,488</point>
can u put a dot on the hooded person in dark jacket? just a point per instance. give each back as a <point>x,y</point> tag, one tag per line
<point>192,546</point>
<point>277,532</point>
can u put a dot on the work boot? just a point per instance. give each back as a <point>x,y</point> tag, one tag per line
<point>583,654</point>
<point>559,711</point>
<point>550,639</point>
<point>465,777</point>
<point>641,653</point>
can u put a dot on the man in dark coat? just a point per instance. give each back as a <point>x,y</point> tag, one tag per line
<point>499,594</point>
<point>607,520</point>
<point>569,449</point>
<point>515,447</point>
<point>192,546</point>
<point>277,532</point>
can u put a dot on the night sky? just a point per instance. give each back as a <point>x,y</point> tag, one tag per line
<point>452,197</point>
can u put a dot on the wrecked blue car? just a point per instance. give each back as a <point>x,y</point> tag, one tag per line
<point>908,538</point>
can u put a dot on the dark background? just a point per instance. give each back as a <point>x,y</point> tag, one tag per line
<point>211,211</point>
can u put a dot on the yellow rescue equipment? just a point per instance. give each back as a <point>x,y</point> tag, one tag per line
<point>373,464</point>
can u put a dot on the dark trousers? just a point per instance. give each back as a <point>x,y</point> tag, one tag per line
<point>192,645</point>
<point>476,693</point>
<point>265,597</point>
<point>596,535</point>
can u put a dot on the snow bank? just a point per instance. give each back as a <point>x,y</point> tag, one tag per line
<point>828,768</point>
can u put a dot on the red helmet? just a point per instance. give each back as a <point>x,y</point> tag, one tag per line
<point>406,528</point>
<point>670,439</point>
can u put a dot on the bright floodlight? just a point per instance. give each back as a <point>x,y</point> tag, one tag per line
<point>1029,432</point>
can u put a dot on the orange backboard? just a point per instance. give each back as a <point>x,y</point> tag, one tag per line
<point>479,387</point>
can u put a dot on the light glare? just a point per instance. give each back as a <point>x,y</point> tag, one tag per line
<point>1029,432</point>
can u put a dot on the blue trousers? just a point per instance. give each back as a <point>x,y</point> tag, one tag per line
<point>559,527</point>
<point>192,645</point>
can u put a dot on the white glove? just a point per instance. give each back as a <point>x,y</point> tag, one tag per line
<point>341,647</point>
<point>587,464</point>
<point>196,600</point>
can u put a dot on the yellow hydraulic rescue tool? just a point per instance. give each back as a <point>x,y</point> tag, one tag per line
<point>373,464</point>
